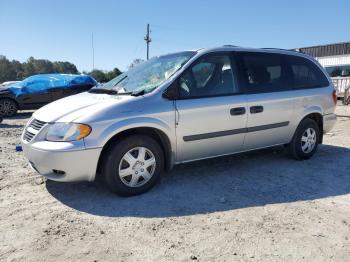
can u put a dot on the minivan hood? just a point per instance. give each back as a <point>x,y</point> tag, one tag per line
<point>70,108</point>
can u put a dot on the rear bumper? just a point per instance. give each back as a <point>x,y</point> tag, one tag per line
<point>63,166</point>
<point>329,122</point>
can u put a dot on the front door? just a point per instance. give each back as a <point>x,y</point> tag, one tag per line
<point>211,111</point>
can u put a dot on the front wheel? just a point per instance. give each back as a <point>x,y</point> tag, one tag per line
<point>8,107</point>
<point>133,165</point>
<point>305,140</point>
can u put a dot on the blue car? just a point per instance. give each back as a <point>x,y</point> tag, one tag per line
<point>38,90</point>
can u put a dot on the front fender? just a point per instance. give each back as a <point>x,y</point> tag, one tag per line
<point>102,137</point>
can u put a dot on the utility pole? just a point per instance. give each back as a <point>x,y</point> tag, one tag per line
<point>93,51</point>
<point>148,40</point>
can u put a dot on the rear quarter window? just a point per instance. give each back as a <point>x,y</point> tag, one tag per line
<point>306,74</point>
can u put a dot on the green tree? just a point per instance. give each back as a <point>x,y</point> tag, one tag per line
<point>104,76</point>
<point>112,74</point>
<point>99,75</point>
<point>15,70</point>
<point>28,67</point>
<point>64,68</point>
<point>7,72</point>
<point>42,66</point>
<point>17,66</point>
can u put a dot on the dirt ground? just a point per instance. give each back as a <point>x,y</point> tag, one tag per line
<point>259,206</point>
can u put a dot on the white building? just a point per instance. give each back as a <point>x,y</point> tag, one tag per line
<point>336,59</point>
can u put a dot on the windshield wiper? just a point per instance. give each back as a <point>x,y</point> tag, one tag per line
<point>115,92</point>
<point>138,92</point>
<point>120,80</point>
<point>133,93</point>
<point>103,91</point>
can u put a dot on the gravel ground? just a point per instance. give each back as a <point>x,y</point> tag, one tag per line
<point>258,206</point>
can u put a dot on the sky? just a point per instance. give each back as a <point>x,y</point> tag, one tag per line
<point>61,30</point>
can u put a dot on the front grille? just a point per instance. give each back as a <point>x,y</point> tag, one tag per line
<point>36,124</point>
<point>28,136</point>
<point>33,129</point>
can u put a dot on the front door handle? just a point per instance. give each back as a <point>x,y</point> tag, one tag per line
<point>256,109</point>
<point>237,111</point>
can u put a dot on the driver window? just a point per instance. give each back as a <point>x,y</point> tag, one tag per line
<point>211,76</point>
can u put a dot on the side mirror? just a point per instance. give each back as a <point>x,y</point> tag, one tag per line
<point>172,92</point>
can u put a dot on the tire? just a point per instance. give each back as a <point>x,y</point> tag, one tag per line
<point>126,172</point>
<point>303,146</point>
<point>8,107</point>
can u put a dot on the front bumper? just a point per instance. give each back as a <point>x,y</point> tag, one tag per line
<point>63,163</point>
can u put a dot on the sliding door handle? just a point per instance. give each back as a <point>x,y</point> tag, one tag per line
<point>237,111</point>
<point>256,109</point>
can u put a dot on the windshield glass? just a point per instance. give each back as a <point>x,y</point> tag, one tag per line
<point>148,75</point>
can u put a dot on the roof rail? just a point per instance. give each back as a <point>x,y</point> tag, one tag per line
<point>231,45</point>
<point>291,50</point>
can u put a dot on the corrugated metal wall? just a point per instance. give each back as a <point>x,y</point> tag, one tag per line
<point>327,50</point>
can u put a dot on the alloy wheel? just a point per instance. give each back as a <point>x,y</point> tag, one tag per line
<point>308,140</point>
<point>7,108</point>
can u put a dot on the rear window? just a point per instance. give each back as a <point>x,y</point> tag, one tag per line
<point>306,74</point>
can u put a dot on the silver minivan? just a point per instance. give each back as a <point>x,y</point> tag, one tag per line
<point>182,107</point>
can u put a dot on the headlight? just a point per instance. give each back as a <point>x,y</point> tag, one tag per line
<point>67,132</point>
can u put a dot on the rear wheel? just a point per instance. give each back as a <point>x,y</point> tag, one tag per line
<point>305,140</point>
<point>8,107</point>
<point>133,165</point>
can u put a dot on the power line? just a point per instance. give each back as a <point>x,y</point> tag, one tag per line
<point>93,51</point>
<point>148,40</point>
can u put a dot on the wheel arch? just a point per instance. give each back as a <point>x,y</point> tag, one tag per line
<point>156,133</point>
<point>317,116</point>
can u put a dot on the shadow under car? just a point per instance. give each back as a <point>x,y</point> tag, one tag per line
<point>239,181</point>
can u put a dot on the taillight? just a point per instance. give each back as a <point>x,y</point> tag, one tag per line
<point>334,95</point>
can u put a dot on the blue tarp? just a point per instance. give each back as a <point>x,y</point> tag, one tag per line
<point>44,82</point>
